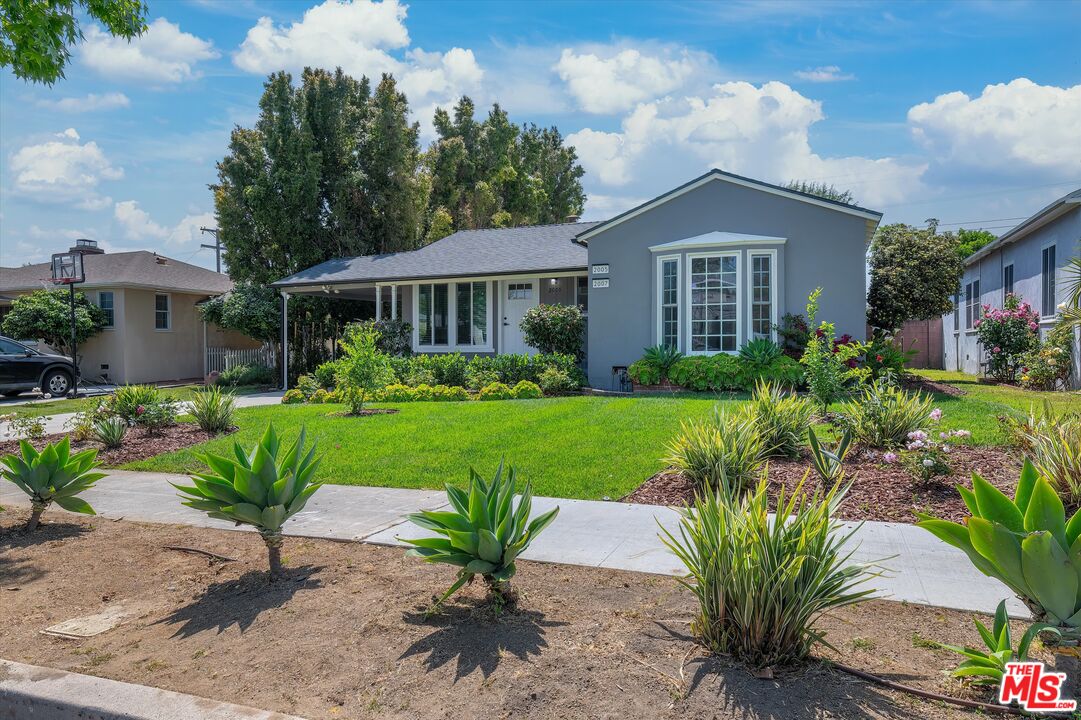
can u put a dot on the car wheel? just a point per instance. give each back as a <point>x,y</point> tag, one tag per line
<point>56,382</point>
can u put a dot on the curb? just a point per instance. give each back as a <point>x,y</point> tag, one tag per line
<point>29,691</point>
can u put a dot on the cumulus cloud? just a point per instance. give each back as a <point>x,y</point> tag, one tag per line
<point>92,102</point>
<point>137,225</point>
<point>824,74</point>
<point>608,80</point>
<point>64,170</point>
<point>163,54</point>
<point>1012,127</point>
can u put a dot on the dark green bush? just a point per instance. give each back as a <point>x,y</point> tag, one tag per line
<point>326,374</point>
<point>247,375</point>
<point>708,373</point>
<point>554,329</point>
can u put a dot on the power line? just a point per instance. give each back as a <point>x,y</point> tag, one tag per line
<point>1000,191</point>
<point>973,222</point>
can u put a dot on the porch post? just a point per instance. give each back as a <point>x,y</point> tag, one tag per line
<point>394,302</point>
<point>378,303</point>
<point>285,340</point>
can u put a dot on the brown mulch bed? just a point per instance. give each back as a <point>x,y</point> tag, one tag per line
<point>912,381</point>
<point>879,491</point>
<point>343,635</point>
<point>138,444</point>
<point>366,412</point>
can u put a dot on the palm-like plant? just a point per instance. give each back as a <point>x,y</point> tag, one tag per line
<point>1070,316</point>
<point>53,475</point>
<point>988,667</point>
<point>483,535</point>
<point>263,488</point>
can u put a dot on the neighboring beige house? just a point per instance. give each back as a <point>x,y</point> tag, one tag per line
<point>155,333</point>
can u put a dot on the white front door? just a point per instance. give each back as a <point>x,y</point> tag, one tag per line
<point>517,297</point>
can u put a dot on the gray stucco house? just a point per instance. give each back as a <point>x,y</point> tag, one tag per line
<point>704,267</point>
<point>1027,261</point>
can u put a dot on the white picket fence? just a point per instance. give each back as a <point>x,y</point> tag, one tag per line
<point>222,358</point>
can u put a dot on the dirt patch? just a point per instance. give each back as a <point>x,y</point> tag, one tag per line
<point>365,412</point>
<point>879,491</point>
<point>138,444</point>
<point>915,382</point>
<point>344,637</point>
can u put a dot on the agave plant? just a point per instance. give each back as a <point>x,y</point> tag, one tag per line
<point>829,460</point>
<point>263,488</point>
<point>987,668</point>
<point>1025,542</point>
<point>662,357</point>
<point>52,475</point>
<point>483,535</point>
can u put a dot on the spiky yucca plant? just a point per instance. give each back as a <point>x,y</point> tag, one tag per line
<point>725,452</point>
<point>783,419</point>
<point>484,533</point>
<point>52,475</point>
<point>263,488</point>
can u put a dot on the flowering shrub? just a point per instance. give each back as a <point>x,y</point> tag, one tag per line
<point>1006,334</point>
<point>829,363</point>
<point>1047,366</point>
<point>924,455</point>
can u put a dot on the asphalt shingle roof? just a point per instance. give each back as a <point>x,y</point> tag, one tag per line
<point>496,251</point>
<point>140,269</point>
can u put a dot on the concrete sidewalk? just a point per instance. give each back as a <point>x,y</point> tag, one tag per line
<point>920,568</point>
<point>59,423</point>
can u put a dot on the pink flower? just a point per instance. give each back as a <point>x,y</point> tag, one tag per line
<point>1032,326</point>
<point>936,414</point>
<point>997,349</point>
<point>917,435</point>
<point>890,457</point>
<point>140,410</point>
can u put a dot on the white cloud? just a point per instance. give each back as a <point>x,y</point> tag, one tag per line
<point>64,171</point>
<point>824,74</point>
<point>608,80</point>
<point>1009,128</point>
<point>90,103</point>
<point>137,225</point>
<point>163,54</point>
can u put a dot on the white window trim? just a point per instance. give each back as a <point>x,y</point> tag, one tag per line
<point>168,312</point>
<point>1054,277</point>
<point>577,296</point>
<point>1013,278</point>
<point>975,307</point>
<point>452,318</point>
<point>772,255</point>
<point>738,255</point>
<point>112,325</point>
<point>660,299</point>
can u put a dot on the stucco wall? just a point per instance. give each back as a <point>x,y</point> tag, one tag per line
<point>961,349</point>
<point>824,248</point>
<point>152,355</point>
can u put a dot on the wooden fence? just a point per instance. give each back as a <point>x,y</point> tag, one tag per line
<point>221,358</point>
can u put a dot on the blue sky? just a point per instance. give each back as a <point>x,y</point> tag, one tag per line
<point>968,112</point>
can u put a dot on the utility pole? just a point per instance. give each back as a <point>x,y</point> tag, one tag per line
<point>216,247</point>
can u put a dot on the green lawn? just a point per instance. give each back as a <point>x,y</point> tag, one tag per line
<point>583,447</point>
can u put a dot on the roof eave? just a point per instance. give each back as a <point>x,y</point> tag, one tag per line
<point>1048,214</point>
<point>287,283</point>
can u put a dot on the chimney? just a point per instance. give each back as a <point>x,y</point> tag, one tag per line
<point>573,218</point>
<point>86,247</point>
<point>161,260</point>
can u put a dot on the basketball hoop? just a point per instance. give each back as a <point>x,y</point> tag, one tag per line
<point>68,270</point>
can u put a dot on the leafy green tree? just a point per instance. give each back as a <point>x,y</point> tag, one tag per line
<point>254,310</point>
<point>554,329</point>
<point>914,275</point>
<point>440,225</point>
<point>822,190</point>
<point>35,34</point>
<point>969,241</point>
<point>391,161</point>
<point>363,368</point>
<point>46,315</point>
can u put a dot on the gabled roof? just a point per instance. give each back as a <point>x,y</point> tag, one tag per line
<point>871,216</point>
<point>466,253</point>
<point>140,269</point>
<point>719,238</point>
<point>1063,205</point>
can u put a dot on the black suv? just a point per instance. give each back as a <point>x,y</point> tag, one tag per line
<point>23,368</point>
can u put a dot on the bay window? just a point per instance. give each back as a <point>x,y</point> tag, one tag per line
<point>714,303</point>
<point>668,306</point>
<point>762,295</point>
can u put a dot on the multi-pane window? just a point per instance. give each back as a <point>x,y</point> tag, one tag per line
<point>432,307</point>
<point>1007,280</point>
<point>105,302</point>
<point>714,303</point>
<point>519,291</point>
<point>1047,275</point>
<point>761,296</point>
<point>162,321</point>
<point>972,304</point>
<point>472,313</point>
<point>957,312</point>
<point>670,302</point>
<point>581,293</point>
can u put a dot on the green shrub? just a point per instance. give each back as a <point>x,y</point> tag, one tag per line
<point>327,374</point>
<point>247,375</point>
<point>483,533</point>
<point>725,452</point>
<point>292,397</point>
<point>828,364</point>
<point>759,352</point>
<point>127,399</point>
<point>655,364</point>
<point>417,370</point>
<point>110,431</point>
<point>708,373</point>
<point>1056,453</point>
<point>794,333</point>
<point>782,370</point>
<point>1025,542</point>
<point>479,377</point>
<point>53,475</point>
<point>319,397</point>
<point>364,370</point>
<point>1048,365</point>
<point>307,385</point>
<point>449,368</point>
<point>553,380</point>
<point>496,391</point>
<point>422,393</point>
<point>762,585</point>
<point>263,488</point>
<point>883,415</point>
<point>396,393</point>
<point>449,393</point>
<point>157,416</point>
<point>554,329</point>
<point>213,409</point>
<point>512,369</point>
<point>644,372</point>
<point>526,390</point>
<point>828,460</point>
<point>782,419</point>
<point>886,357</point>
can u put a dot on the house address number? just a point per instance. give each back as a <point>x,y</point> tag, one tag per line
<point>600,282</point>
<point>600,269</point>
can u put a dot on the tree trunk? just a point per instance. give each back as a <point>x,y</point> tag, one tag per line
<point>273,542</point>
<point>36,509</point>
<point>500,592</point>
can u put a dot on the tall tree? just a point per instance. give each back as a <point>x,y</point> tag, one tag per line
<point>914,274</point>
<point>391,158</point>
<point>822,190</point>
<point>969,241</point>
<point>35,34</point>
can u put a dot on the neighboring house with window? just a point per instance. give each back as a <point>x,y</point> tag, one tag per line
<point>704,268</point>
<point>153,331</point>
<point>1027,261</point>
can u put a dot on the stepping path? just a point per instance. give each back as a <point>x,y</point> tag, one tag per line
<point>59,423</point>
<point>918,567</point>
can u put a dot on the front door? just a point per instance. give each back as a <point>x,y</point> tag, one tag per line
<point>518,297</point>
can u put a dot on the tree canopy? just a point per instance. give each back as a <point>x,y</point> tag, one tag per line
<point>35,34</point>
<point>46,315</point>
<point>250,309</point>
<point>914,274</point>
<point>822,190</point>
<point>969,241</point>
